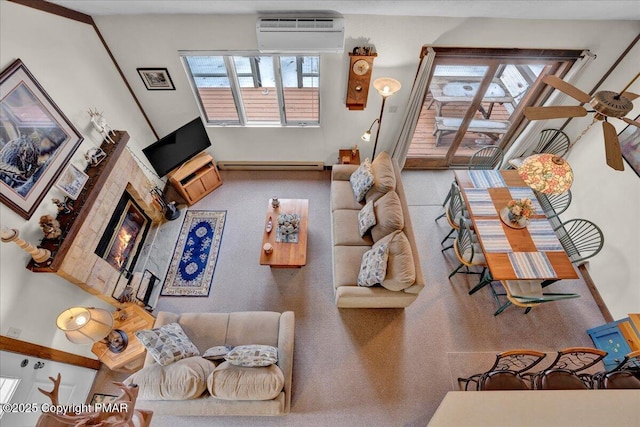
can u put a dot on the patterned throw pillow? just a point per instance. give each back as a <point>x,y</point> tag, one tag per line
<point>167,343</point>
<point>374,266</point>
<point>366,218</point>
<point>253,355</point>
<point>218,352</point>
<point>362,180</point>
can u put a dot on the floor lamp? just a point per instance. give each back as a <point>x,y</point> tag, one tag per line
<point>386,87</point>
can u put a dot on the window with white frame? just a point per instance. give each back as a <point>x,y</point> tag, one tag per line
<point>255,90</point>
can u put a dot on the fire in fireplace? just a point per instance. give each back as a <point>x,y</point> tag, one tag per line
<point>124,235</point>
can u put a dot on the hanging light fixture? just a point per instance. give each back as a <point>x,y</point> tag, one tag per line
<point>386,87</point>
<point>546,173</point>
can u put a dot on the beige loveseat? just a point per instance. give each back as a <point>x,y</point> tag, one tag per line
<point>349,247</point>
<point>207,330</point>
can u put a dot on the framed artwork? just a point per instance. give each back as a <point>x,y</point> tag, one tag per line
<point>102,398</point>
<point>156,78</point>
<point>72,181</point>
<point>36,140</point>
<point>630,146</point>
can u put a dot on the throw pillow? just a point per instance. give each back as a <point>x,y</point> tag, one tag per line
<point>218,352</point>
<point>384,177</point>
<point>401,271</point>
<point>182,380</point>
<point>361,180</point>
<point>389,215</point>
<point>167,343</point>
<point>252,355</point>
<point>374,266</point>
<point>231,382</point>
<point>366,219</point>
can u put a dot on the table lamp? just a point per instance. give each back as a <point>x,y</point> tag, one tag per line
<point>546,173</point>
<point>82,325</point>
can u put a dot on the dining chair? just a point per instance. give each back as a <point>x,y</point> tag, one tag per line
<point>580,238</point>
<point>506,372</point>
<point>624,376</point>
<point>564,373</point>
<point>455,210</point>
<point>552,141</point>
<point>554,204</point>
<point>487,158</point>
<point>468,250</point>
<point>525,293</point>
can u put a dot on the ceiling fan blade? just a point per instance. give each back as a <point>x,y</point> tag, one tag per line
<point>630,95</point>
<point>631,122</point>
<point>612,147</point>
<point>567,88</point>
<point>557,112</point>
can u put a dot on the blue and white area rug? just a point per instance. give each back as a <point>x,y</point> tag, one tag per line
<point>195,255</point>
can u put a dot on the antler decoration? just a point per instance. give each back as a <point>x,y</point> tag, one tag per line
<point>126,417</point>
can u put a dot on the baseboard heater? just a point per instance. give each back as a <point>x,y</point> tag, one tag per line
<point>270,166</point>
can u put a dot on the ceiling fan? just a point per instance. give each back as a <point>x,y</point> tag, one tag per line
<point>605,104</point>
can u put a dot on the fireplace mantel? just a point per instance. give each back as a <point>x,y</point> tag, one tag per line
<point>73,253</point>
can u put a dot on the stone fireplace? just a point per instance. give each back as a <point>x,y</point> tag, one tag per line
<point>80,254</point>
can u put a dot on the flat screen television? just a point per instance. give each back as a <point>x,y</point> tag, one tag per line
<point>179,146</point>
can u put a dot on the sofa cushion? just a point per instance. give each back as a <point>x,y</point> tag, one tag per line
<point>182,380</point>
<point>389,216</point>
<point>342,196</point>
<point>252,355</point>
<point>231,382</point>
<point>362,180</point>
<point>345,229</point>
<point>346,264</point>
<point>167,343</point>
<point>374,266</point>
<point>401,270</point>
<point>384,178</point>
<point>366,219</point>
<point>217,352</point>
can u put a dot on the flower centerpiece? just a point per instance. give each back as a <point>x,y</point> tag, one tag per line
<point>520,210</point>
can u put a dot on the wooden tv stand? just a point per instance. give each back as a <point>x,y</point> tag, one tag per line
<point>196,178</point>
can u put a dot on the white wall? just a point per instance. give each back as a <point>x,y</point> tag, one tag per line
<point>610,199</point>
<point>69,61</point>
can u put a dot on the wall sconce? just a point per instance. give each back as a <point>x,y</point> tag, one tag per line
<point>386,87</point>
<point>88,325</point>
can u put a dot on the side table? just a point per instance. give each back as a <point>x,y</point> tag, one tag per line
<point>349,156</point>
<point>132,358</point>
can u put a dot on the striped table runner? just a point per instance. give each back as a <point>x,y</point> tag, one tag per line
<point>486,178</point>
<point>493,237</point>
<point>522,192</point>
<point>480,203</point>
<point>531,265</point>
<point>543,235</point>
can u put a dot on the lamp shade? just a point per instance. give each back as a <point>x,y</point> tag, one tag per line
<point>366,136</point>
<point>546,173</point>
<point>386,86</point>
<point>83,325</point>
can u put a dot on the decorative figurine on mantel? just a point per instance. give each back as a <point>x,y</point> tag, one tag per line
<point>94,156</point>
<point>50,226</point>
<point>63,206</point>
<point>100,124</point>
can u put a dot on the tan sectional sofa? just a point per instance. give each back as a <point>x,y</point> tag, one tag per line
<point>207,330</point>
<point>349,247</point>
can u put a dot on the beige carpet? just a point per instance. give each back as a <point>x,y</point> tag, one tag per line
<point>355,367</point>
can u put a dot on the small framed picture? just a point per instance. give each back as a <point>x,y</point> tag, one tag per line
<point>72,181</point>
<point>156,78</point>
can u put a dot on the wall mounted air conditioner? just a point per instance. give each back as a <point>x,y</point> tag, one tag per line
<point>300,35</point>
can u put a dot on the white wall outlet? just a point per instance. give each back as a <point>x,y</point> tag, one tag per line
<point>14,332</point>
<point>393,108</point>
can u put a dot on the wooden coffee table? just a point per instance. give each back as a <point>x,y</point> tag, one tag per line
<point>286,254</point>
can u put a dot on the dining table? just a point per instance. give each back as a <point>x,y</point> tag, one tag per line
<point>528,253</point>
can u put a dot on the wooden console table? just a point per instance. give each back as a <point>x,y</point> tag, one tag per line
<point>132,358</point>
<point>196,178</point>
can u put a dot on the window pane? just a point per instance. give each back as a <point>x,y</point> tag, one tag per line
<point>257,86</point>
<point>212,81</point>
<point>300,85</point>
